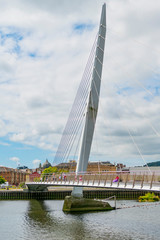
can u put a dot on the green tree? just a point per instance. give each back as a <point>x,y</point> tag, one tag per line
<point>2,180</point>
<point>48,171</point>
<point>51,170</point>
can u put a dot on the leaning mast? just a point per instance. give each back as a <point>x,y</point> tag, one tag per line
<point>92,105</point>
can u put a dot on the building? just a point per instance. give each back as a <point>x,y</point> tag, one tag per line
<point>13,176</point>
<point>92,166</point>
<point>69,167</point>
<point>101,167</point>
<point>22,167</point>
<point>33,176</point>
<point>46,164</point>
<point>120,166</point>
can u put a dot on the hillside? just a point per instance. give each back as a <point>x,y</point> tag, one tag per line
<point>153,164</point>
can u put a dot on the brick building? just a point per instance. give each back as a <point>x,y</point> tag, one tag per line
<point>101,167</point>
<point>13,176</point>
<point>33,176</point>
<point>92,166</point>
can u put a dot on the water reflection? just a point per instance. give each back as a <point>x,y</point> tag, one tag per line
<point>36,220</point>
<point>47,218</point>
<point>38,214</point>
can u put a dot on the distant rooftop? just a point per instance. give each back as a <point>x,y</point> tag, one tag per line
<point>22,167</point>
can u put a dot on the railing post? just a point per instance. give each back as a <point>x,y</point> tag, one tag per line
<point>65,178</point>
<point>112,177</point>
<point>105,180</point>
<point>69,179</point>
<point>57,178</point>
<point>47,178</point>
<point>88,179</point>
<point>134,179</point>
<point>61,177</point>
<point>50,177</point>
<point>119,180</point>
<point>142,180</point>
<point>152,180</point>
<point>94,179</point>
<point>83,178</point>
<point>77,179</point>
<point>126,180</point>
<point>99,180</point>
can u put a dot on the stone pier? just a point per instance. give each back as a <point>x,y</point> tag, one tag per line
<point>80,204</point>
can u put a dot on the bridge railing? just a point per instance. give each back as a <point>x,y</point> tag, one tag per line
<point>116,179</point>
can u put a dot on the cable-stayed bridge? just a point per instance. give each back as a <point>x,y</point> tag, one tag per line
<point>84,112</point>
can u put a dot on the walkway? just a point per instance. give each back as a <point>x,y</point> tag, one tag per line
<point>115,180</point>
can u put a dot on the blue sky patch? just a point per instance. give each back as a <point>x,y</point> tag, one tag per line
<point>15,36</point>
<point>157,91</point>
<point>124,90</point>
<point>80,27</point>
<point>25,153</point>
<point>33,55</point>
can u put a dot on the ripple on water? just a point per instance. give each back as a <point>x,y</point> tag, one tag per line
<point>36,220</point>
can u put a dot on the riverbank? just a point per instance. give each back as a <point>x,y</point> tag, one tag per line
<point>61,193</point>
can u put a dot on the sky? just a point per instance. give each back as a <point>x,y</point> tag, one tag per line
<point>44,47</point>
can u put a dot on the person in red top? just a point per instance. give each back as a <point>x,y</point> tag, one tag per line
<point>116,179</point>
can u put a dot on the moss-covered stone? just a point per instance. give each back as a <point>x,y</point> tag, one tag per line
<point>79,204</point>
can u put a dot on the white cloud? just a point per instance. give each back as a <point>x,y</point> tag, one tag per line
<point>15,159</point>
<point>41,70</point>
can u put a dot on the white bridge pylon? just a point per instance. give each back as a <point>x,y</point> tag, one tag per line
<point>110,180</point>
<point>93,102</point>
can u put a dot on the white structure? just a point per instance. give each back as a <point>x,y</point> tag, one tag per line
<point>149,182</point>
<point>92,105</point>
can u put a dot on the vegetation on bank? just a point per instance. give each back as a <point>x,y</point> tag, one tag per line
<point>149,197</point>
<point>2,180</point>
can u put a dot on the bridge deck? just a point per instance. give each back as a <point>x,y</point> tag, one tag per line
<point>147,182</point>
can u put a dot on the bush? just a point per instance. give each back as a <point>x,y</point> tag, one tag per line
<point>149,197</point>
<point>22,185</point>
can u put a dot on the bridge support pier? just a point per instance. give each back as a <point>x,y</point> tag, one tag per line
<point>77,192</point>
<point>80,204</point>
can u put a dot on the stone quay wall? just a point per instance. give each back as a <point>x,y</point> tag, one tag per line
<point>61,194</point>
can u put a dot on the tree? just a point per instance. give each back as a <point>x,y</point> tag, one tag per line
<point>2,180</point>
<point>50,170</point>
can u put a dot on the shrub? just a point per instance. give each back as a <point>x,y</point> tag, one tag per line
<point>22,185</point>
<point>149,197</point>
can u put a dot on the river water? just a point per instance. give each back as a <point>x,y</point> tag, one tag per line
<point>38,220</point>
